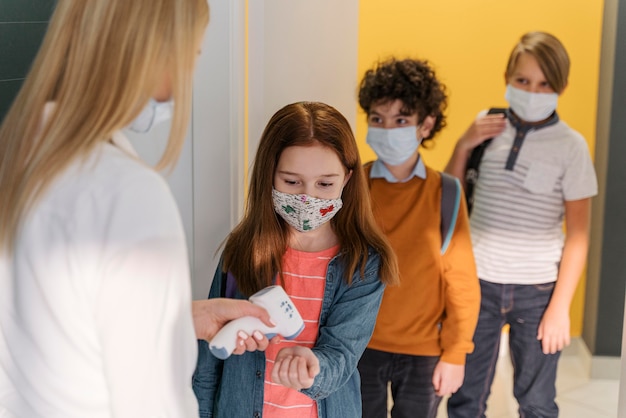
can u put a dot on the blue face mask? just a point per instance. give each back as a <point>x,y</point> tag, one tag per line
<point>393,146</point>
<point>151,115</point>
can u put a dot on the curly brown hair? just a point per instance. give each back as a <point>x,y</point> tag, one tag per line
<point>411,81</point>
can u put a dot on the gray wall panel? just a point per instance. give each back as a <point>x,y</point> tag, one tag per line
<point>22,27</point>
<point>606,280</point>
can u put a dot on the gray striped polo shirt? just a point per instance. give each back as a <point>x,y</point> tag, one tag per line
<point>517,218</point>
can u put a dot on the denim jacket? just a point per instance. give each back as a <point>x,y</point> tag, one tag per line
<point>234,387</point>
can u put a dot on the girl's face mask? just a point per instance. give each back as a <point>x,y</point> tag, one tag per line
<point>303,212</point>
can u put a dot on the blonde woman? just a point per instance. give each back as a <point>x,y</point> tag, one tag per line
<point>95,300</point>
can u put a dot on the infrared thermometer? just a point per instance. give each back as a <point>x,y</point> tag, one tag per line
<point>282,311</point>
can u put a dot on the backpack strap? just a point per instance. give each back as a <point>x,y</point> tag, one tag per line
<point>228,285</point>
<point>450,202</point>
<point>471,169</point>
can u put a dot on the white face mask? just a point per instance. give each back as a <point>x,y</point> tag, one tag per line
<point>531,107</point>
<point>393,146</point>
<point>151,115</point>
<point>303,212</point>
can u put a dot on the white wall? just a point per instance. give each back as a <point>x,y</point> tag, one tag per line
<point>297,51</point>
<point>207,182</point>
<point>301,51</point>
<point>217,129</point>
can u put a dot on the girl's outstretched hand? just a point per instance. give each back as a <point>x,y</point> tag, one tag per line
<point>295,367</point>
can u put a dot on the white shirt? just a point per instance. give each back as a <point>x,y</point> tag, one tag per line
<point>517,217</point>
<point>95,304</point>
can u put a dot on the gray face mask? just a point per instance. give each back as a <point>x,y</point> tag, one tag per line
<point>393,146</point>
<point>151,115</point>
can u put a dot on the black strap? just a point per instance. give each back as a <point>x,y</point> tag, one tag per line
<point>521,129</point>
<point>471,169</point>
<point>471,172</point>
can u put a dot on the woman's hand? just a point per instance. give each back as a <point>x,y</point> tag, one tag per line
<point>210,315</point>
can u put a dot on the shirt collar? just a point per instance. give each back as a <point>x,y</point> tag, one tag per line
<point>379,170</point>
<point>525,126</point>
<point>118,138</point>
<point>121,141</point>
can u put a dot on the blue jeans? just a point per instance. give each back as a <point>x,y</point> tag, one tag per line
<point>522,307</point>
<point>411,380</point>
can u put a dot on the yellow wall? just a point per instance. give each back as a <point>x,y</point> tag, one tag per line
<point>468,43</point>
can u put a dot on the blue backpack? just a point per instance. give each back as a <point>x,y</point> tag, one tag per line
<point>450,202</point>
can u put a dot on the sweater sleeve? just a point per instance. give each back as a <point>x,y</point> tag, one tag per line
<point>462,293</point>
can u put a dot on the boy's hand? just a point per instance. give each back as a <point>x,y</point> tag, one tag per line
<point>295,367</point>
<point>554,330</point>
<point>484,127</point>
<point>448,378</point>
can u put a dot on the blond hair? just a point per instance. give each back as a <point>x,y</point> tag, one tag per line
<point>100,62</point>
<point>550,55</point>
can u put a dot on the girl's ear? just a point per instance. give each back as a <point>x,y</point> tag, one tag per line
<point>426,126</point>
<point>345,181</point>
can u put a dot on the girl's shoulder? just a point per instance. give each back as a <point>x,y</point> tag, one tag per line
<point>372,263</point>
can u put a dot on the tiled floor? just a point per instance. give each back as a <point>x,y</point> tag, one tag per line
<point>578,396</point>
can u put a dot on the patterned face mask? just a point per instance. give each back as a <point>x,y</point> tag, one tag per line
<point>303,212</point>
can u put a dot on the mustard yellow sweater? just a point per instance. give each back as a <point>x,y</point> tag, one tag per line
<point>435,308</point>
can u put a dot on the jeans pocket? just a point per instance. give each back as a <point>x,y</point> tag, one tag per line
<point>545,287</point>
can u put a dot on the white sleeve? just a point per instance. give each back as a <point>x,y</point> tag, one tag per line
<point>579,179</point>
<point>143,305</point>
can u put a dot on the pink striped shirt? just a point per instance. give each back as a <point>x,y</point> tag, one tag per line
<point>305,279</point>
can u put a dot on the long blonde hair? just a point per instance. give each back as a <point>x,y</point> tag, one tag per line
<point>100,62</point>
